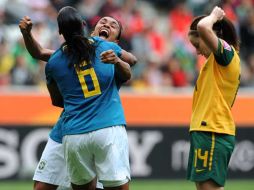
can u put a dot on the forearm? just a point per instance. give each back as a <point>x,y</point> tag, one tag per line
<point>35,49</point>
<point>206,24</point>
<point>129,58</point>
<point>205,31</point>
<point>123,70</point>
<point>205,28</point>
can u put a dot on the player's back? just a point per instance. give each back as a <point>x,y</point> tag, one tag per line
<point>91,98</point>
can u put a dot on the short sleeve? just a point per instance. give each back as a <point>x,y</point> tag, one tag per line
<point>117,49</point>
<point>224,54</point>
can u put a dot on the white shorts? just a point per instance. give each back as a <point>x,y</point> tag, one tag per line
<point>51,168</point>
<point>102,153</point>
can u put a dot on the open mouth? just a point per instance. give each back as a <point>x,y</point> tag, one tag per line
<point>104,33</point>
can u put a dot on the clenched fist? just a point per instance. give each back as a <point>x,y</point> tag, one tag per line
<point>217,13</point>
<point>109,56</point>
<point>25,25</point>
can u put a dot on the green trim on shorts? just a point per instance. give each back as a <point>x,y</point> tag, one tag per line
<point>209,156</point>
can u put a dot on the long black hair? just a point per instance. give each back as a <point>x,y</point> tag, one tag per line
<point>224,29</point>
<point>79,48</point>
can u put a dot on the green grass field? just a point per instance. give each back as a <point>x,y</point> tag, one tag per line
<point>147,185</point>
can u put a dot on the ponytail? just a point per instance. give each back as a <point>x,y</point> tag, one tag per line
<point>71,26</point>
<point>80,49</point>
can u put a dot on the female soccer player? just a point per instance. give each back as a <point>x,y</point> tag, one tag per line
<point>53,173</point>
<point>95,139</point>
<point>212,129</point>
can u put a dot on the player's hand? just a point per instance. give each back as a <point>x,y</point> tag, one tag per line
<point>109,56</point>
<point>217,13</point>
<point>25,25</point>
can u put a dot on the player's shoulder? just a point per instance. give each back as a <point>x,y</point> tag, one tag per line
<point>95,39</point>
<point>225,53</point>
<point>98,40</point>
<point>103,45</point>
<point>225,47</point>
<point>57,54</point>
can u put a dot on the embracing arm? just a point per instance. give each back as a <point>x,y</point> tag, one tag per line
<point>128,57</point>
<point>205,30</point>
<point>33,47</point>
<point>123,70</point>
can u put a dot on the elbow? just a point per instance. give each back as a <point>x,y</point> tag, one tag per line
<point>126,76</point>
<point>128,73</point>
<point>36,56</point>
<point>201,27</point>
<point>134,61</point>
<point>204,28</point>
<point>40,55</point>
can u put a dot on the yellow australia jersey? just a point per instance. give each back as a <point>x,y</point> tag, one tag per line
<point>215,92</point>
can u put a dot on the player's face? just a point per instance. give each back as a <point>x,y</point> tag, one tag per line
<point>107,28</point>
<point>200,46</point>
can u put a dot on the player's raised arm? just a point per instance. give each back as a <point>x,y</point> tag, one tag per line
<point>37,52</point>
<point>33,47</point>
<point>205,28</point>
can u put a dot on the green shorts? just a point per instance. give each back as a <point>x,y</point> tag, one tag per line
<point>209,156</point>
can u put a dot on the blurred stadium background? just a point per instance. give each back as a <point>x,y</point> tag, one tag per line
<point>157,101</point>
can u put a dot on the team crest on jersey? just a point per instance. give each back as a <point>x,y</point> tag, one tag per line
<point>42,164</point>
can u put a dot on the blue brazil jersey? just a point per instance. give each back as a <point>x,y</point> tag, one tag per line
<point>91,98</point>
<point>56,132</point>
